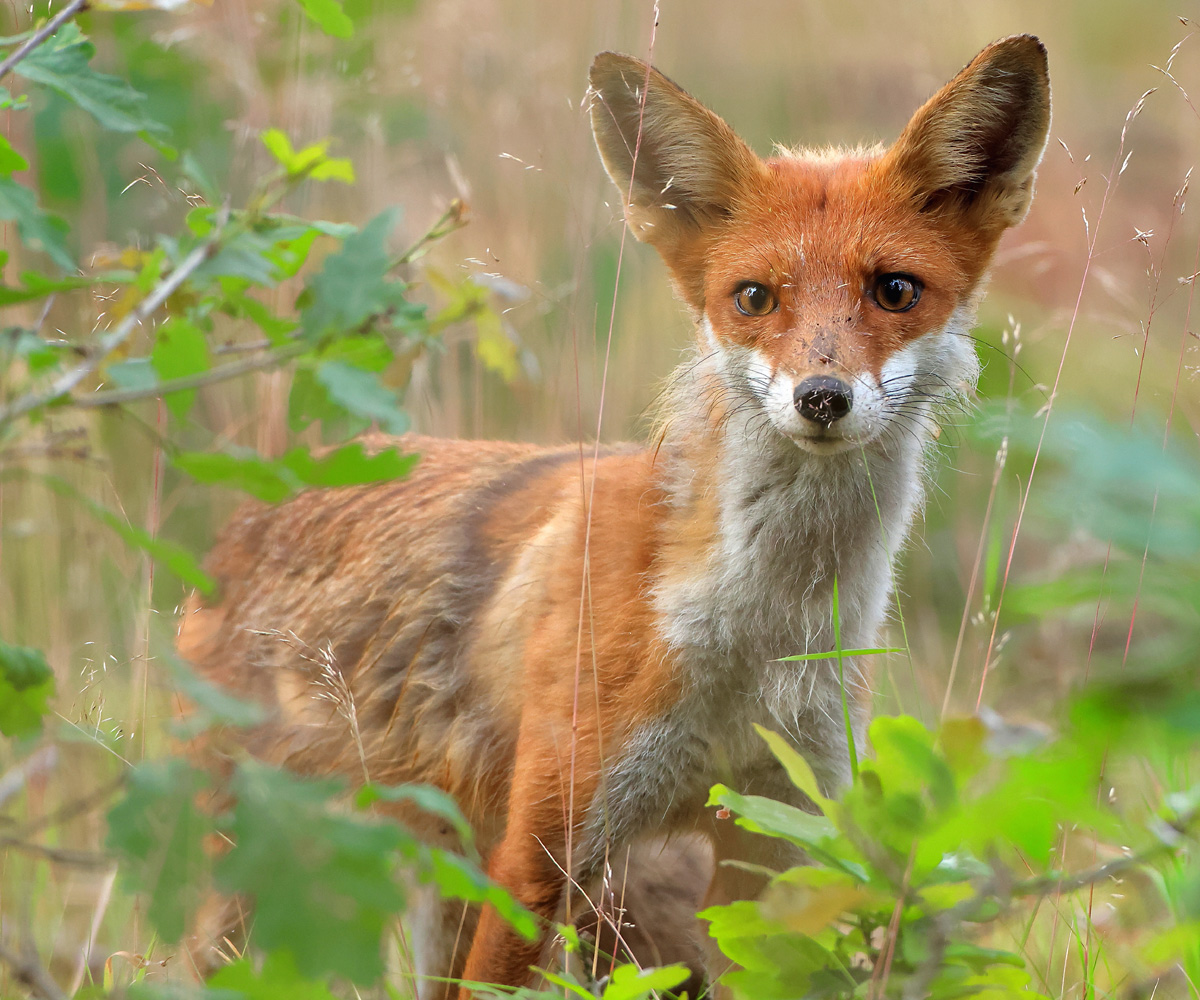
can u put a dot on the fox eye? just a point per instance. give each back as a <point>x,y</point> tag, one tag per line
<point>896,292</point>
<point>753,299</point>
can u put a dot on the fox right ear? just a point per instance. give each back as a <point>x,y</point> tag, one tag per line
<point>973,148</point>
<point>678,166</point>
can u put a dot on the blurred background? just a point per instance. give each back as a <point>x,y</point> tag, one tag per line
<point>483,101</point>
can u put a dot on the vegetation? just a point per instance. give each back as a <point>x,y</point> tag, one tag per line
<point>1026,821</point>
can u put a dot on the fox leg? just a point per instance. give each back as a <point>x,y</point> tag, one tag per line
<point>530,861</point>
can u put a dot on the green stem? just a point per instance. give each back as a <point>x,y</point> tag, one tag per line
<point>837,645</point>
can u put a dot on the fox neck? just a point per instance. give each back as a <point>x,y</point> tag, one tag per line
<point>762,529</point>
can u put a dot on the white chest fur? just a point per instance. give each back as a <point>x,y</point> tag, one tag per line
<point>789,524</point>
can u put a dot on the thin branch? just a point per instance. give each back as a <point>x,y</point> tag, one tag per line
<point>99,350</point>
<point>29,972</point>
<point>455,217</point>
<point>197,381</point>
<point>1045,885</point>
<point>59,855</point>
<point>44,32</point>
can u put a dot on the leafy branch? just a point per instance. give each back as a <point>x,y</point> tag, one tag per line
<point>105,345</point>
<point>42,33</point>
<point>222,373</point>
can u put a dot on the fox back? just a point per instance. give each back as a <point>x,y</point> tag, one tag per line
<point>576,647</point>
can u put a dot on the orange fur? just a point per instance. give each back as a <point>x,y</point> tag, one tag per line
<point>575,649</point>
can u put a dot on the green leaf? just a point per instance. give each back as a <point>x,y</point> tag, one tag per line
<point>180,349</point>
<point>10,159</point>
<point>7,101</point>
<point>328,14</point>
<point>309,400</point>
<point>742,918</point>
<point>333,169</point>
<point>175,557</point>
<point>244,255</point>
<point>362,394</point>
<point>311,161</point>
<point>208,704</point>
<point>776,819</point>
<point>279,980</point>
<point>239,305</point>
<point>833,654</point>
<point>279,146</point>
<point>906,761</point>
<point>798,770</point>
<point>37,354</point>
<point>160,833</point>
<point>426,798</point>
<point>26,687</point>
<point>348,465</point>
<point>352,286</point>
<point>628,982</point>
<point>568,983</point>
<point>38,230</point>
<point>136,374</point>
<point>38,286</point>
<point>257,476</point>
<point>322,881</point>
<point>273,481</point>
<point>459,878</point>
<point>62,65</point>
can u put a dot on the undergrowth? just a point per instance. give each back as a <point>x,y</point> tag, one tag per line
<point>972,857</point>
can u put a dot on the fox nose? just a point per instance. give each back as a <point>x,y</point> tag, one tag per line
<point>823,399</point>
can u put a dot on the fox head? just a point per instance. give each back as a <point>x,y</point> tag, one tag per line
<point>833,289</point>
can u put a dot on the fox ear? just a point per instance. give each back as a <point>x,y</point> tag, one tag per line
<point>974,146</point>
<point>678,166</point>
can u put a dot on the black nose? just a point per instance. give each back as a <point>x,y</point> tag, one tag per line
<point>823,399</point>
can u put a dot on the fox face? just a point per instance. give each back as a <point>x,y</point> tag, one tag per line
<point>831,291</point>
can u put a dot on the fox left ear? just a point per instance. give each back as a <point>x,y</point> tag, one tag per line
<point>974,146</point>
<point>679,167</point>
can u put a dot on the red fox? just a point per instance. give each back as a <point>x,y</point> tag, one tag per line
<point>576,649</point>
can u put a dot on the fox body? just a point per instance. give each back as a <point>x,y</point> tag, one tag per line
<point>576,647</point>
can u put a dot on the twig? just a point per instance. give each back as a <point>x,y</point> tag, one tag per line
<point>78,807</point>
<point>44,32</point>
<point>59,855</point>
<point>29,972</point>
<point>197,381</point>
<point>1044,885</point>
<point>106,345</point>
<point>455,217</point>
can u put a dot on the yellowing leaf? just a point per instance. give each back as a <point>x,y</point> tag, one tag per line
<point>810,911</point>
<point>963,742</point>
<point>493,346</point>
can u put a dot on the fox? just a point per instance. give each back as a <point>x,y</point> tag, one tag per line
<point>577,645</point>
